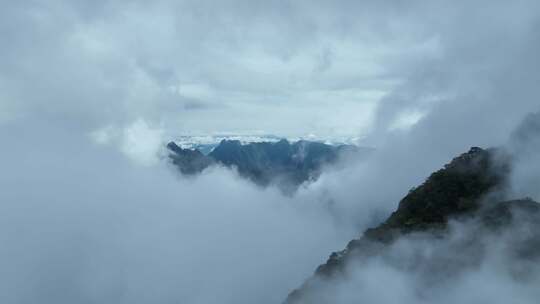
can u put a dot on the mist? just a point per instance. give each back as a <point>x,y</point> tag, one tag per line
<point>82,223</point>
<point>91,211</point>
<point>470,264</point>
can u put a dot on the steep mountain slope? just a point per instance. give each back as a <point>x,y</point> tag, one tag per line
<point>283,163</point>
<point>466,189</point>
<point>188,161</point>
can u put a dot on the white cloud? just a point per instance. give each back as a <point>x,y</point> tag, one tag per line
<point>142,142</point>
<point>406,120</point>
<point>85,225</point>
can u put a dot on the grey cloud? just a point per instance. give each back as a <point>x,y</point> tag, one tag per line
<point>86,225</point>
<point>523,146</point>
<point>469,265</point>
<point>81,223</point>
<point>98,62</point>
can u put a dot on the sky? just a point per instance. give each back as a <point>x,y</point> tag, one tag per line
<point>90,211</point>
<point>278,67</point>
<point>281,67</point>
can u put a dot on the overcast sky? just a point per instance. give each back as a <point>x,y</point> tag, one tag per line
<point>90,90</point>
<point>283,67</point>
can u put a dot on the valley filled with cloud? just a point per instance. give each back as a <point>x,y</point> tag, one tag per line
<point>93,208</point>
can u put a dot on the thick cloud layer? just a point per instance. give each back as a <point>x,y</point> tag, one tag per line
<point>83,224</point>
<point>524,145</point>
<point>83,84</point>
<point>469,265</point>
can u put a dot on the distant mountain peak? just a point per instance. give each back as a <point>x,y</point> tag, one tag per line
<point>234,142</point>
<point>280,162</point>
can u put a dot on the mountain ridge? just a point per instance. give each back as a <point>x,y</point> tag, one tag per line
<point>283,163</point>
<point>469,187</point>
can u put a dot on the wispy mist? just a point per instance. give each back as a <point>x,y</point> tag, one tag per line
<point>83,224</point>
<point>91,91</point>
<point>470,264</point>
